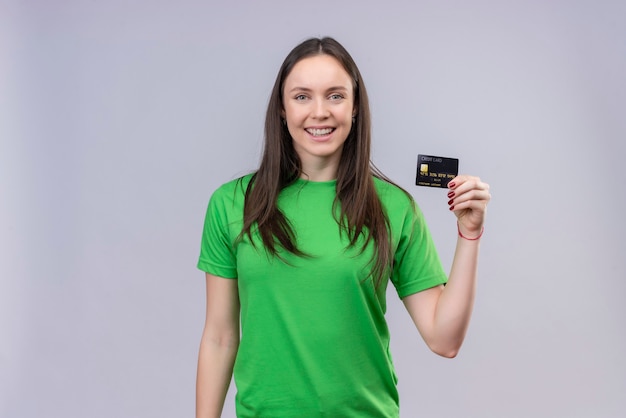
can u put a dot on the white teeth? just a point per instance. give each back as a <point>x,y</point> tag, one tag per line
<point>319,132</point>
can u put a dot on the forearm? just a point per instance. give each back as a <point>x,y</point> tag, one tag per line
<point>456,301</point>
<point>215,368</point>
<point>442,314</point>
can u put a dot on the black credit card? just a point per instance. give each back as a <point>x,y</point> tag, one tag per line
<point>435,171</point>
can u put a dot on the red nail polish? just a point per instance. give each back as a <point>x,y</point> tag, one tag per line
<point>451,207</point>
<point>451,194</point>
<point>451,184</point>
<point>450,201</point>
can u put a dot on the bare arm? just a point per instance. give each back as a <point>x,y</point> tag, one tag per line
<point>218,347</point>
<point>442,314</point>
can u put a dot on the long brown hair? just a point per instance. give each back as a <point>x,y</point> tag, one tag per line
<point>360,209</point>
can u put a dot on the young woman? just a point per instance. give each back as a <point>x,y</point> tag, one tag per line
<point>298,255</point>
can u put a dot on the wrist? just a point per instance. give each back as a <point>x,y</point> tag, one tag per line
<point>470,236</point>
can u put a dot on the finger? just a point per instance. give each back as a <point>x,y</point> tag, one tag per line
<point>474,205</point>
<point>470,189</point>
<point>463,183</point>
<point>458,180</point>
<point>471,195</point>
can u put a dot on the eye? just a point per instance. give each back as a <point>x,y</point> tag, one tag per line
<point>300,97</point>
<point>336,96</point>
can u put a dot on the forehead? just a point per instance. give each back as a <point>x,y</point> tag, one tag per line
<point>318,71</point>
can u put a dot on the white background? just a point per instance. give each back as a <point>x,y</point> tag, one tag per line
<point>118,119</point>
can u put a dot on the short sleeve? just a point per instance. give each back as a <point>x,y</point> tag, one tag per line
<point>417,265</point>
<point>217,253</point>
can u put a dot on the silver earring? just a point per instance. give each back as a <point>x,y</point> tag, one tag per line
<point>284,122</point>
<point>353,120</point>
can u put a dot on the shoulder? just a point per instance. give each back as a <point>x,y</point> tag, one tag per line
<point>231,193</point>
<point>232,189</point>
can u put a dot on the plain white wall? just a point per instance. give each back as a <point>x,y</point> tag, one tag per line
<point>118,119</point>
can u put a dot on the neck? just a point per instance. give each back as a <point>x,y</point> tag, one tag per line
<point>319,173</point>
<point>320,169</point>
<point>318,176</point>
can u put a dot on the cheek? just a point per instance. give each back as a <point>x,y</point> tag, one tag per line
<point>292,114</point>
<point>349,114</point>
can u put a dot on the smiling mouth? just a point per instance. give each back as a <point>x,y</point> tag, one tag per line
<point>320,132</point>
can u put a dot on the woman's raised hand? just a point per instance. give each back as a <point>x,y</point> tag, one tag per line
<point>468,200</point>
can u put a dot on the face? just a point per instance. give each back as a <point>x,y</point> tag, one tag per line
<point>318,100</point>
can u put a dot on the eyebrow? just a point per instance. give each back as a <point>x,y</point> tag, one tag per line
<point>306,89</point>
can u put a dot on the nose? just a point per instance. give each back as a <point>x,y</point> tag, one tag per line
<point>320,109</point>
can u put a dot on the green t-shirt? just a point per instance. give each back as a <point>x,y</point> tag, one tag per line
<point>314,340</point>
